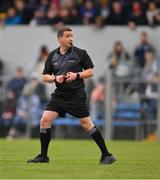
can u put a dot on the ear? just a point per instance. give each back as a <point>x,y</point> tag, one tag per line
<point>59,39</point>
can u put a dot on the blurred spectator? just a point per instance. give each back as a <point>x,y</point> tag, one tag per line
<point>151,66</point>
<point>41,60</point>
<point>103,13</point>
<point>44,5</point>
<point>53,15</point>
<point>34,86</point>
<point>30,7</point>
<point>149,102</point>
<point>8,110</point>
<point>20,6</point>
<point>120,61</point>
<point>141,49</point>
<point>137,17</point>
<point>55,3</point>
<point>103,9</point>
<point>152,87</point>
<point>153,14</point>
<point>98,98</point>
<point>117,16</point>
<point>23,10</point>
<point>122,67</point>
<point>64,16</point>
<point>59,17</point>
<point>17,83</point>
<point>88,12</point>
<point>39,18</point>
<point>12,18</point>
<point>73,11</point>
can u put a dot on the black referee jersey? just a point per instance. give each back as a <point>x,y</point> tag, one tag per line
<point>74,60</point>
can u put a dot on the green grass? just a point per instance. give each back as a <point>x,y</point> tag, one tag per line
<point>71,159</point>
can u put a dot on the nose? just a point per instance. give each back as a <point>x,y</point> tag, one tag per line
<point>71,38</point>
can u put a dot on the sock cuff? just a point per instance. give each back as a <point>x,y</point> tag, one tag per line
<point>93,130</point>
<point>43,130</point>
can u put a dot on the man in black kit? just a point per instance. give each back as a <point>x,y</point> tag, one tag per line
<point>67,66</point>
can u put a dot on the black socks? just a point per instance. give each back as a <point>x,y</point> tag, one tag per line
<point>96,135</point>
<point>45,137</point>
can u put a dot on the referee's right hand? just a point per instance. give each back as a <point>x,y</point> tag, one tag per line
<point>60,79</point>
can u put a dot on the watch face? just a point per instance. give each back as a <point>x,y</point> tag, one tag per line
<point>78,76</point>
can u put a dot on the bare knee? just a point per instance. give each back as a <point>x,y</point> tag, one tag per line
<point>45,123</point>
<point>47,119</point>
<point>86,123</point>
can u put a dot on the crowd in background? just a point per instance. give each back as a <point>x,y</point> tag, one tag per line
<point>80,12</point>
<point>26,97</point>
<point>136,73</point>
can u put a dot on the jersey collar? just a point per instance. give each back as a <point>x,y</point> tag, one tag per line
<point>69,50</point>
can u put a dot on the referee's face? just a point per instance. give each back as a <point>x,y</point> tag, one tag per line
<point>66,40</point>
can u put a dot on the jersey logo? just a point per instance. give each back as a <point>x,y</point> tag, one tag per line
<point>72,60</point>
<point>55,63</point>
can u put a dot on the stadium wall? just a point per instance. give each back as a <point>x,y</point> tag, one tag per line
<point>19,45</point>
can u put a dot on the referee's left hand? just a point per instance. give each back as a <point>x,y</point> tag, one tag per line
<point>70,76</point>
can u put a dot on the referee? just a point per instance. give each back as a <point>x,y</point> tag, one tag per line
<point>67,66</point>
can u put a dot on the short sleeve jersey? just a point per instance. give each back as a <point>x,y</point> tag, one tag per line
<point>74,60</point>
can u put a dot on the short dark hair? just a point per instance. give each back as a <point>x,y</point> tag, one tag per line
<point>62,30</point>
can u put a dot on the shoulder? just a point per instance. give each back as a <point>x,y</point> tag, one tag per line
<point>79,50</point>
<point>51,54</point>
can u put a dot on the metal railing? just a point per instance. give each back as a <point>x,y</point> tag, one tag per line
<point>124,95</point>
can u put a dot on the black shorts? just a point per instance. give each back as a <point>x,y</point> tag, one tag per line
<point>72,102</point>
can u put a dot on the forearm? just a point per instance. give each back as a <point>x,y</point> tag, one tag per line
<point>48,78</point>
<point>86,73</point>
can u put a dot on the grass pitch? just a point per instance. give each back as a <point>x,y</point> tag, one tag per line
<point>76,159</point>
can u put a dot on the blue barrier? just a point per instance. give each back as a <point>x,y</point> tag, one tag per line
<point>98,122</point>
<point>74,122</point>
<point>128,106</point>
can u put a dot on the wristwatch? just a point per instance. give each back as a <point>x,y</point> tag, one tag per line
<point>78,76</point>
